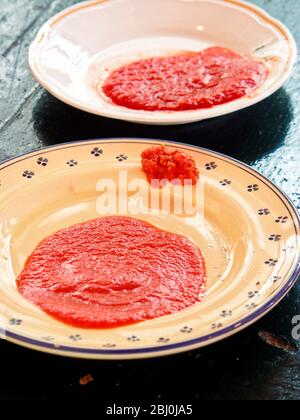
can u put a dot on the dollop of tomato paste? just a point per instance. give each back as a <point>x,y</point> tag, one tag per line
<point>185,81</point>
<point>162,163</point>
<point>113,271</point>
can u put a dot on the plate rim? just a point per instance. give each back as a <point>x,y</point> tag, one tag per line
<point>179,117</point>
<point>182,346</point>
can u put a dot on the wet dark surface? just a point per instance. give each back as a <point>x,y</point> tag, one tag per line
<point>266,136</point>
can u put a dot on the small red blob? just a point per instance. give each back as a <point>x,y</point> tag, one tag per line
<point>186,81</point>
<point>162,163</point>
<point>113,271</point>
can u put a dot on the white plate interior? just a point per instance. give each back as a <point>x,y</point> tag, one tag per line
<point>80,47</point>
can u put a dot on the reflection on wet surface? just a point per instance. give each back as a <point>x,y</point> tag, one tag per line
<point>247,135</point>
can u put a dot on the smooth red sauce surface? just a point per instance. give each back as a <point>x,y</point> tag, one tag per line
<point>113,271</point>
<point>186,81</point>
<point>160,163</point>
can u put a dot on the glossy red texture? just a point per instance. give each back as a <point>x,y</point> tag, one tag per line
<point>186,81</point>
<point>113,271</point>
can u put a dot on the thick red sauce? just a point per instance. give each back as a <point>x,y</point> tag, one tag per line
<point>113,271</point>
<point>161,163</point>
<point>186,81</point>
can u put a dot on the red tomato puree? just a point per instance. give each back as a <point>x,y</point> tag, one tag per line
<point>113,271</point>
<point>160,163</point>
<point>186,81</point>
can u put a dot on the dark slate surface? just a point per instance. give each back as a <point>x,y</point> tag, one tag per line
<point>265,136</point>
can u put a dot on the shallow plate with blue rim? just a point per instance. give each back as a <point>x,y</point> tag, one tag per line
<point>248,231</point>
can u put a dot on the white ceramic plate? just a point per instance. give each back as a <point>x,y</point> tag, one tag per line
<point>80,46</point>
<point>252,249</point>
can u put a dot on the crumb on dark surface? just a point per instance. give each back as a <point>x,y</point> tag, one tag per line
<point>278,342</point>
<point>86,380</point>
